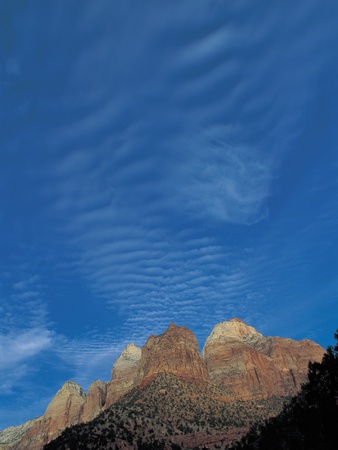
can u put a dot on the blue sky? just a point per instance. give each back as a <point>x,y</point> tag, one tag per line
<point>161,161</point>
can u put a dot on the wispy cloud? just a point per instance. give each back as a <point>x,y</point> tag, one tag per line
<point>222,180</point>
<point>26,283</point>
<point>25,334</point>
<point>20,347</point>
<point>16,352</point>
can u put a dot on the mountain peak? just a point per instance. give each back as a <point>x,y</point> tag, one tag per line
<point>123,373</point>
<point>234,329</point>
<point>239,356</point>
<point>175,351</point>
<point>129,358</point>
<point>71,387</point>
<point>236,319</point>
<point>66,404</point>
<point>176,329</point>
<point>131,350</point>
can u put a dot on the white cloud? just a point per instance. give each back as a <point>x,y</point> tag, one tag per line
<point>20,346</point>
<point>26,283</point>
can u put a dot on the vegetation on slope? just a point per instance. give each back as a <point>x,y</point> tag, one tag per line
<point>169,413</point>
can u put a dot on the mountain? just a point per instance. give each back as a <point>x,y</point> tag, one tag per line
<point>68,407</point>
<point>168,413</point>
<point>237,365</point>
<point>250,365</point>
<point>175,351</point>
<point>62,412</point>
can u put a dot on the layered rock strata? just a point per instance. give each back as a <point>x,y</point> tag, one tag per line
<point>175,351</point>
<point>124,373</point>
<point>94,402</point>
<point>241,360</point>
<point>11,435</point>
<point>63,411</point>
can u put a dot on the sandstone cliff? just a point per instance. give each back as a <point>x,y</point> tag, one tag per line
<point>124,373</point>
<point>94,402</point>
<point>242,360</point>
<point>12,435</point>
<point>63,411</point>
<point>175,351</point>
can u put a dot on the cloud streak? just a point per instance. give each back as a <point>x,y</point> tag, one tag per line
<point>17,348</point>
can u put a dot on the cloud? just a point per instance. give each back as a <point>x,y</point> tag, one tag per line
<point>14,349</point>
<point>224,86</point>
<point>25,332</point>
<point>17,352</point>
<point>220,180</point>
<point>26,283</point>
<point>186,130</point>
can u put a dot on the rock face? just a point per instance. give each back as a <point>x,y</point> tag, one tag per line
<point>94,402</point>
<point>66,405</point>
<point>63,411</point>
<point>175,351</point>
<point>124,373</point>
<point>241,360</point>
<point>12,435</point>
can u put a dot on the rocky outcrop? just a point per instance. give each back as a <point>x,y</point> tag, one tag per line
<point>241,360</point>
<point>63,411</point>
<point>291,358</point>
<point>94,402</point>
<point>124,373</point>
<point>12,435</point>
<point>175,351</point>
<point>66,405</point>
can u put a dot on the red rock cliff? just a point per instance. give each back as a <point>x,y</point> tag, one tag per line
<point>95,401</point>
<point>241,360</point>
<point>175,351</point>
